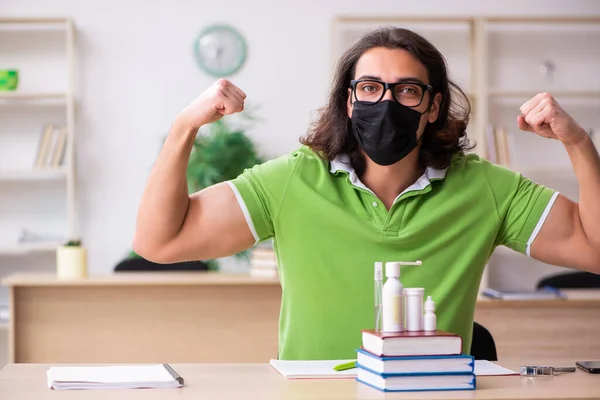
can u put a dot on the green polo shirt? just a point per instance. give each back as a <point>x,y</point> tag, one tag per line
<point>329,229</point>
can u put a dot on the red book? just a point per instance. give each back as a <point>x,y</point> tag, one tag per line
<point>422,343</point>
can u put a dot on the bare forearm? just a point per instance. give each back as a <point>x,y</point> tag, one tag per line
<point>586,164</point>
<point>165,199</point>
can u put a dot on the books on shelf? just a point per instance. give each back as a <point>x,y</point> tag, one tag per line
<point>155,376</point>
<point>414,361</point>
<point>263,262</point>
<point>51,146</point>
<point>422,343</point>
<point>499,145</point>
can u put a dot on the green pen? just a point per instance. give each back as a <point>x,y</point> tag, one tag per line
<point>345,366</point>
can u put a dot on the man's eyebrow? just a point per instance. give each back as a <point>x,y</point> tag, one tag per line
<point>410,79</point>
<point>371,77</point>
<point>399,80</point>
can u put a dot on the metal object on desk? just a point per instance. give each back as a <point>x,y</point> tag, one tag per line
<point>543,370</point>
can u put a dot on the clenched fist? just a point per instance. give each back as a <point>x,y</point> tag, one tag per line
<point>222,98</point>
<point>544,116</point>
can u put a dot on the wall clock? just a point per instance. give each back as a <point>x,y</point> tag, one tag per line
<point>220,50</point>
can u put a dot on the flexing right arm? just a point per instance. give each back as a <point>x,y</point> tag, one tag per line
<point>173,226</point>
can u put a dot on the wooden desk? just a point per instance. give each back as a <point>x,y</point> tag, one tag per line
<point>260,381</point>
<point>143,317</point>
<point>152,317</point>
<point>544,328</point>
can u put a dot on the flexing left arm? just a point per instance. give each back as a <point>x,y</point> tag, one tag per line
<point>570,237</point>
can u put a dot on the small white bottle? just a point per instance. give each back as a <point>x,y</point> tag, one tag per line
<point>414,309</point>
<point>430,320</point>
<point>393,299</point>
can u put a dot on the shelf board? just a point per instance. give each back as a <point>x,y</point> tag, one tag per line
<point>32,96</point>
<point>34,24</point>
<point>19,249</point>
<point>50,174</point>
<point>586,94</point>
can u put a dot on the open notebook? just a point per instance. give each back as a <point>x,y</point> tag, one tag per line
<point>157,376</point>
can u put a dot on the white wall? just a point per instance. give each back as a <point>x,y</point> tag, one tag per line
<point>137,71</point>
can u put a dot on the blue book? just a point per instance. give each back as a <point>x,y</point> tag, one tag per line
<point>415,382</point>
<point>422,365</point>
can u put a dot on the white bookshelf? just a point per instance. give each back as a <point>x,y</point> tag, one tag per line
<point>34,174</point>
<point>33,96</point>
<point>40,200</point>
<point>29,248</point>
<point>27,45</point>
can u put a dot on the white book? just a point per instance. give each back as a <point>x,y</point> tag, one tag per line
<point>59,148</point>
<point>45,146</point>
<point>155,376</point>
<point>490,140</point>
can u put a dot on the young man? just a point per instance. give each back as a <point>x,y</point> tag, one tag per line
<point>382,176</point>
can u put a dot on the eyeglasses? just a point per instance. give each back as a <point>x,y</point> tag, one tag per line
<point>409,94</point>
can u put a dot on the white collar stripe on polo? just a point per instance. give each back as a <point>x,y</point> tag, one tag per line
<point>342,163</point>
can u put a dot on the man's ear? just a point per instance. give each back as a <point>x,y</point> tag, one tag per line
<point>434,110</point>
<point>349,103</point>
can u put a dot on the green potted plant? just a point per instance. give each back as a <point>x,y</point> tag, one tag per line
<point>222,151</point>
<point>71,260</point>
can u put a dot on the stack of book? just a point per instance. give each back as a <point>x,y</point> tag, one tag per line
<point>263,262</point>
<point>414,361</point>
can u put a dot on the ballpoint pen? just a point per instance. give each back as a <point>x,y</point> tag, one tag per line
<point>345,366</point>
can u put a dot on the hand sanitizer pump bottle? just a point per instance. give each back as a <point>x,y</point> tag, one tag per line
<point>393,299</point>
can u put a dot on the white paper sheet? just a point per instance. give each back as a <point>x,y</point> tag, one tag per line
<point>324,369</point>
<point>487,368</point>
<point>110,377</point>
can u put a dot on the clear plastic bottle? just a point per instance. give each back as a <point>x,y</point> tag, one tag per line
<point>430,320</point>
<point>378,291</point>
<point>393,299</point>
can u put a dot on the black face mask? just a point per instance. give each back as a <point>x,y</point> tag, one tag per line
<point>386,131</point>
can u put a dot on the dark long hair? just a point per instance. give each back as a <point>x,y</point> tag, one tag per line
<point>331,134</point>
